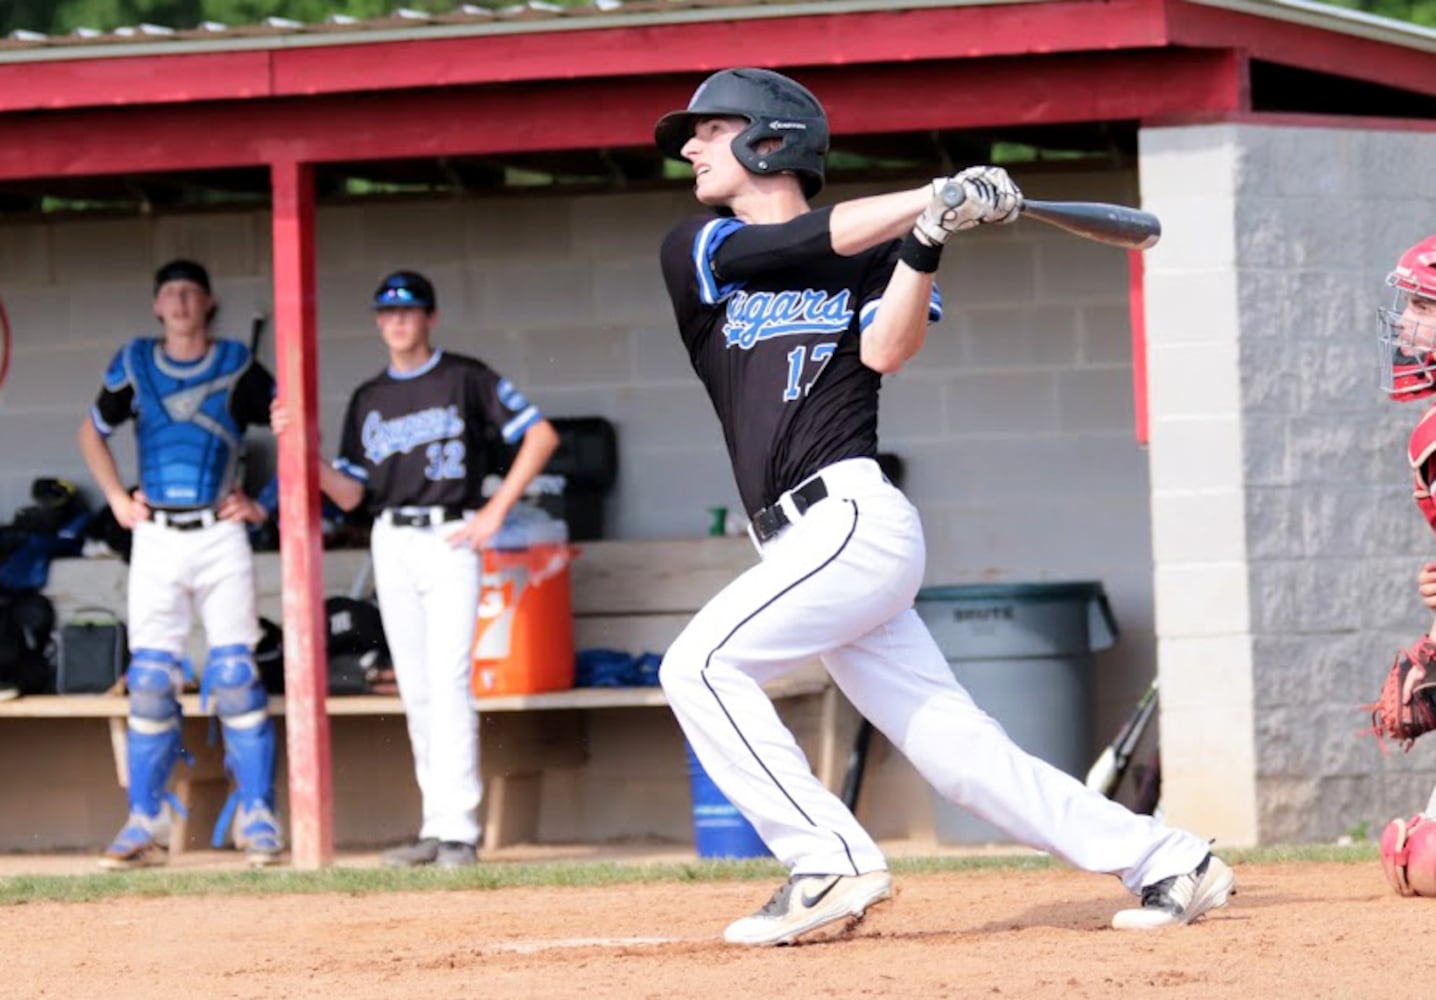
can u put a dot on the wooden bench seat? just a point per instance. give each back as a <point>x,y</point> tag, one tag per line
<point>633,596</point>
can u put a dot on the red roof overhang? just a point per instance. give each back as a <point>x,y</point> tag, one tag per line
<point>1061,61</point>
<point>603,113</point>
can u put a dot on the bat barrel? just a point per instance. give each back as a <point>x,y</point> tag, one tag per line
<point>1115,225</point>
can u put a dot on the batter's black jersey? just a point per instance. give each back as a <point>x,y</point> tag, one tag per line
<point>778,354</point>
<point>417,438</point>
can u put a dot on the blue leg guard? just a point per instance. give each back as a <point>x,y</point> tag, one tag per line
<point>154,727</point>
<point>242,705</point>
<point>153,747</point>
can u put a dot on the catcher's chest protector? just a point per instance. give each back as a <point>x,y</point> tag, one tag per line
<point>1421,451</point>
<point>1408,855</point>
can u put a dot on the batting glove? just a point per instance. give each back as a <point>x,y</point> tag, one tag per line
<point>951,208</point>
<point>993,190</point>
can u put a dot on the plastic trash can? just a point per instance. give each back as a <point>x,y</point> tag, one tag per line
<point>719,829</point>
<point>1024,653</point>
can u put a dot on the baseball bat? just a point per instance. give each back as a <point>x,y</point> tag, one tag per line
<point>1114,225</point>
<point>1112,765</point>
<point>256,331</point>
<point>857,765</point>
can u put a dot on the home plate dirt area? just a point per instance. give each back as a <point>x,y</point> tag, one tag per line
<point>1300,929</point>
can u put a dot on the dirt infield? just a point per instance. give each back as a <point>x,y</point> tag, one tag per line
<point>1294,930</point>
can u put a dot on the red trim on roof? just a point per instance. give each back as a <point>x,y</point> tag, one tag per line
<point>121,82</point>
<point>534,117</point>
<point>699,48</point>
<point>694,48</point>
<point>1304,47</point>
<point>1294,120</point>
<point>1113,86</point>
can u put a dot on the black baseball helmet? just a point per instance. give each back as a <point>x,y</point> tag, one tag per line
<point>405,289</point>
<point>775,107</point>
<point>182,270</point>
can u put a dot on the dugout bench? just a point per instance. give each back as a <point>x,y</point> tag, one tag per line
<point>584,765</point>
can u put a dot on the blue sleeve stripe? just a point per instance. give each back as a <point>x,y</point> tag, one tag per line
<point>865,316</point>
<point>351,470</point>
<point>710,238</point>
<point>519,425</point>
<point>870,310</point>
<point>105,429</point>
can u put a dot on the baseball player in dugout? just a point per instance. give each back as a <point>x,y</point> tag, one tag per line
<point>791,316</point>
<point>1406,707</point>
<point>191,397</point>
<point>412,451</point>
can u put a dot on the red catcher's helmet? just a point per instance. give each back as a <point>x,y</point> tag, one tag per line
<point>1408,328</point>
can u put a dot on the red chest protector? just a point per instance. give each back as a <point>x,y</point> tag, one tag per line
<point>1421,451</point>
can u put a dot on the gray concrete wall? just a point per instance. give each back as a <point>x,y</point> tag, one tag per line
<point>1285,539</point>
<point>1015,422</point>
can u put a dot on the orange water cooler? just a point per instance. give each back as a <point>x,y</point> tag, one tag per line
<point>524,639</point>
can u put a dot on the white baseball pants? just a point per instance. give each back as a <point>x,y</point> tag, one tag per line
<point>175,573</point>
<point>839,584</point>
<point>428,598</point>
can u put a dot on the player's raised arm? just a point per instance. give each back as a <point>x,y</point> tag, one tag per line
<point>976,196</point>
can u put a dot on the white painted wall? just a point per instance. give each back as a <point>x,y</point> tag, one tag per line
<point>1015,422</point>
<point>1285,539</point>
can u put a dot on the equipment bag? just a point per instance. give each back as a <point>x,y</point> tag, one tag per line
<point>94,650</point>
<point>355,644</point>
<point>27,642</point>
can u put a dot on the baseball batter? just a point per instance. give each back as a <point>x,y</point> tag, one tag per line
<point>790,317</point>
<point>190,396</point>
<point>412,452</point>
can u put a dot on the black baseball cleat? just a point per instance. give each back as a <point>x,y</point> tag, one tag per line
<point>806,902</point>
<point>424,851</point>
<point>455,854</point>
<point>1180,899</point>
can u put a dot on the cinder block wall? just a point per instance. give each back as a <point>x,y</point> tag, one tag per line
<point>1015,422</point>
<point>1285,539</point>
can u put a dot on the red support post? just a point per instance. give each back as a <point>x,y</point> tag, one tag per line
<point>1137,312</point>
<point>311,795</point>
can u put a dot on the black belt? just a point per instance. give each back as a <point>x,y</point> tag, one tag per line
<point>773,519</point>
<point>421,517</point>
<point>184,518</point>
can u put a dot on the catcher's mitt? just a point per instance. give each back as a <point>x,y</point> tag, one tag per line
<point>1408,856</point>
<point>1407,706</point>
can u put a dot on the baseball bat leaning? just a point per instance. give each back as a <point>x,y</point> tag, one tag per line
<point>1112,765</point>
<point>1114,225</point>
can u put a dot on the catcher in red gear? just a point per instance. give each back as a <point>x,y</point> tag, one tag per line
<point>1407,705</point>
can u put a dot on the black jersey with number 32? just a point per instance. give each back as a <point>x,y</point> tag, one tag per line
<point>417,438</point>
<point>779,355</point>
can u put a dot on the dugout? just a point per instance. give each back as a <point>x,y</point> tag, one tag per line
<point>509,154</point>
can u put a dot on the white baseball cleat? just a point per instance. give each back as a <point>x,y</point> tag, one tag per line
<point>806,902</point>
<point>1180,899</point>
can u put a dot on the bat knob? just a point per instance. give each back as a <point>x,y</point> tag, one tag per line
<point>953,195</point>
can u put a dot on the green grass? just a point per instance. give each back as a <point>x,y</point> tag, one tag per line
<point>15,890</point>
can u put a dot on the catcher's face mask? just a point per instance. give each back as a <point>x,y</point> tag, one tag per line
<point>1408,346</point>
<point>1408,328</point>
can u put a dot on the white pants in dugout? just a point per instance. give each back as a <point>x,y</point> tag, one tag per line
<point>428,598</point>
<point>839,584</point>
<point>174,574</point>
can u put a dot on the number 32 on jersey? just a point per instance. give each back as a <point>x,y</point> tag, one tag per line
<point>800,360</point>
<point>445,460</point>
